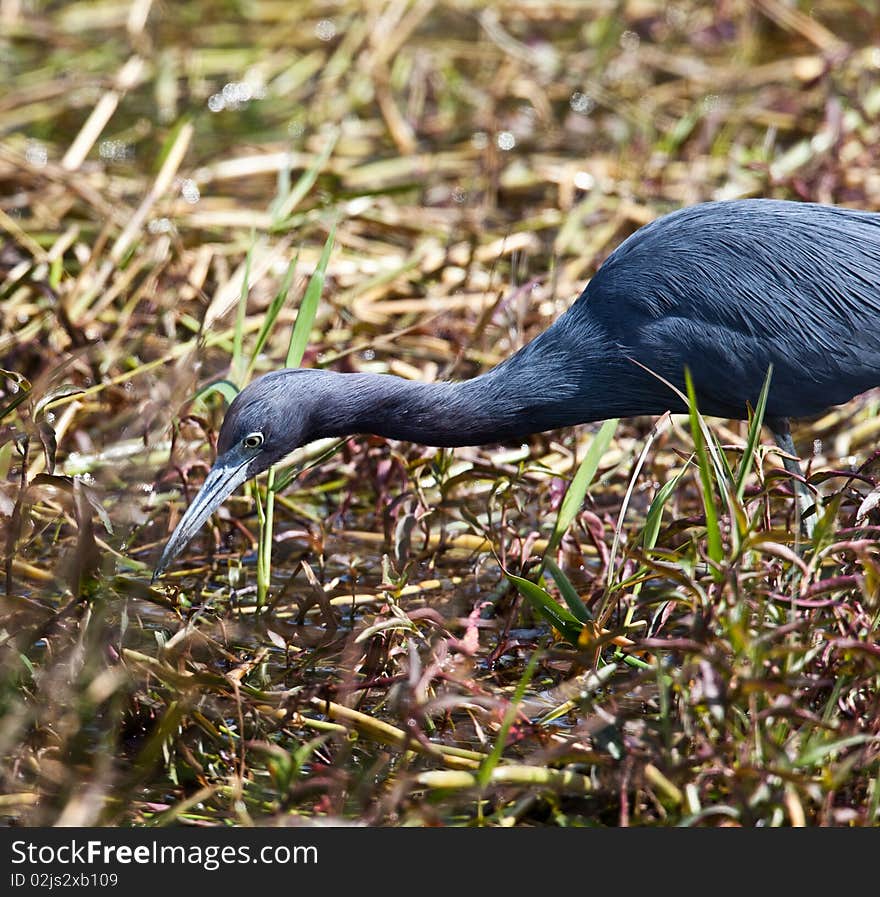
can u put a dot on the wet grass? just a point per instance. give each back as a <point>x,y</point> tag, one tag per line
<point>169,179</point>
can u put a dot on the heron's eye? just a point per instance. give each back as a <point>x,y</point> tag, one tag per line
<point>253,440</point>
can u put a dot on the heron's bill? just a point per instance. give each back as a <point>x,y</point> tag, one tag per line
<point>223,479</point>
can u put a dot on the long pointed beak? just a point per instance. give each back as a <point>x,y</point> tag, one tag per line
<point>227,474</point>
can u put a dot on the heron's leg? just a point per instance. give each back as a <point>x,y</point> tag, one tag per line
<point>806,504</point>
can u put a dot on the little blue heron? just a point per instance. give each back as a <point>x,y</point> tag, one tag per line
<point>724,289</point>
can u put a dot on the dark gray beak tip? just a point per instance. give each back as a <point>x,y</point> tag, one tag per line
<point>225,476</point>
<point>161,564</point>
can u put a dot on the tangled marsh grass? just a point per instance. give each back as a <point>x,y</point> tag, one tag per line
<point>441,638</point>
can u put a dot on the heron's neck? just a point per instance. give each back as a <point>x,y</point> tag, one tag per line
<point>537,389</point>
<point>442,414</point>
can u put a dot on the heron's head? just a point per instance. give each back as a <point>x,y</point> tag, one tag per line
<point>267,420</point>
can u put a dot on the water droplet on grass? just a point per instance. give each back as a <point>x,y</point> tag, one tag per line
<point>115,151</point>
<point>160,226</point>
<point>582,103</point>
<point>325,30</point>
<point>505,140</point>
<point>630,41</point>
<point>189,190</point>
<point>36,153</point>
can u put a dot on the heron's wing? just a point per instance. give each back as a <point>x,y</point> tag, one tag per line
<point>731,290</point>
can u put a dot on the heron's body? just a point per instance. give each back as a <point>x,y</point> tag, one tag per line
<point>723,289</point>
<point>728,288</point>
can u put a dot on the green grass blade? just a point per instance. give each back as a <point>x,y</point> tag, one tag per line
<point>299,339</point>
<point>655,512</point>
<point>724,470</point>
<point>574,497</point>
<point>16,400</point>
<point>271,315</point>
<point>282,189</point>
<point>554,613</point>
<point>568,591</point>
<point>484,774</point>
<point>713,530</point>
<point>610,589</point>
<point>226,388</point>
<point>22,394</point>
<point>236,369</point>
<point>290,473</point>
<point>265,516</point>
<point>820,752</point>
<point>753,437</point>
<point>308,308</point>
<point>5,459</point>
<point>281,209</point>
